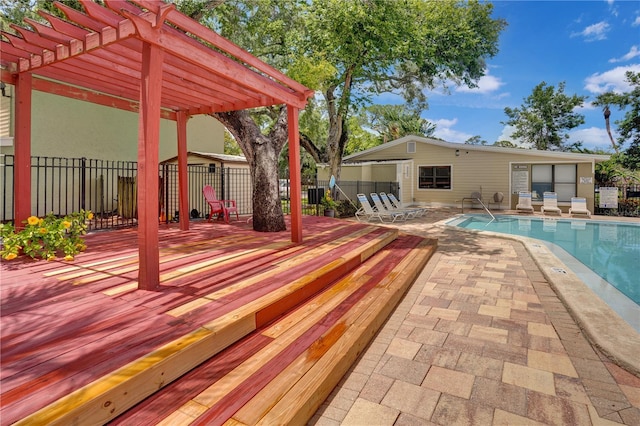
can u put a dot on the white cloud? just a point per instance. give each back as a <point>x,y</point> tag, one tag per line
<point>592,137</point>
<point>445,131</point>
<point>633,52</point>
<point>610,81</point>
<point>506,135</point>
<point>594,32</point>
<point>636,22</point>
<point>486,84</point>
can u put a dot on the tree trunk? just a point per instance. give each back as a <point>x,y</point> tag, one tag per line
<point>607,114</point>
<point>262,153</point>
<point>337,110</point>
<point>267,209</point>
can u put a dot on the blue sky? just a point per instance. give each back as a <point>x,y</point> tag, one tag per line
<point>587,44</point>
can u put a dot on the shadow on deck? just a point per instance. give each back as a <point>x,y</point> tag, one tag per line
<point>246,327</point>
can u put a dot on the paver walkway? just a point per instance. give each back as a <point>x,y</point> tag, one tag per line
<point>481,338</point>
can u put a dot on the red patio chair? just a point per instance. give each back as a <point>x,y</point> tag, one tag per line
<point>221,208</point>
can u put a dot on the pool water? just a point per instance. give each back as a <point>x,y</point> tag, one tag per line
<point>610,249</point>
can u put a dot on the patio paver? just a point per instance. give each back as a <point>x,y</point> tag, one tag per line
<point>497,346</point>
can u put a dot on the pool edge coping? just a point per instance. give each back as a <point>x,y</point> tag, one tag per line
<point>604,327</point>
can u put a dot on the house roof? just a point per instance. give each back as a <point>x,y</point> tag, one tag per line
<point>212,156</point>
<point>98,55</point>
<point>354,158</point>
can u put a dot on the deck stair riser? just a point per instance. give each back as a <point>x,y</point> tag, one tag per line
<point>333,265</point>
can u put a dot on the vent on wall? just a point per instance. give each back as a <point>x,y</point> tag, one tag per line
<point>411,147</point>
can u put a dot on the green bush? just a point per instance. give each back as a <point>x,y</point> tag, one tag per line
<point>46,237</point>
<point>346,209</point>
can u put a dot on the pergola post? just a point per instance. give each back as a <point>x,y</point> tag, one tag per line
<point>294,174</point>
<point>148,142</point>
<point>183,183</point>
<point>22,167</point>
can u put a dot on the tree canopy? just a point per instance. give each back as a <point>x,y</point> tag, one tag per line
<point>545,117</point>
<point>394,121</point>
<point>349,51</point>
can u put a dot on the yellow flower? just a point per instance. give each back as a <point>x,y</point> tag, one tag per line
<point>50,258</point>
<point>90,216</point>
<point>33,220</point>
<point>10,256</point>
<point>42,231</point>
<point>66,224</point>
<point>68,257</point>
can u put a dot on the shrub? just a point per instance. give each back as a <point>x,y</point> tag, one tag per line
<point>346,209</point>
<point>46,237</point>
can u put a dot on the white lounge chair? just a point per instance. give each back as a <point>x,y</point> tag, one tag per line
<point>550,204</point>
<point>579,207</point>
<point>380,208</point>
<point>409,213</point>
<point>420,210</point>
<point>524,202</point>
<point>367,212</point>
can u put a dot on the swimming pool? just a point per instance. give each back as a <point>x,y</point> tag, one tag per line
<point>609,249</point>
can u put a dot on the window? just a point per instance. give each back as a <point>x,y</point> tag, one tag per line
<point>559,178</point>
<point>212,167</point>
<point>434,177</point>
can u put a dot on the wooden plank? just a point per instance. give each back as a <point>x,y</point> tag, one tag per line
<point>311,390</point>
<point>110,396</point>
<point>304,320</point>
<point>316,337</point>
<point>163,403</point>
<point>197,280</point>
<point>284,266</point>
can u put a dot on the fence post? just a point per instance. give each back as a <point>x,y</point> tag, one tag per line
<point>223,195</point>
<point>83,183</point>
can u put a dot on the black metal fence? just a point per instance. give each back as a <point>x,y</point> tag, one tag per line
<point>109,189</point>
<point>628,201</point>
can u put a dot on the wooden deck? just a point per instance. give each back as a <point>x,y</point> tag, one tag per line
<point>246,327</point>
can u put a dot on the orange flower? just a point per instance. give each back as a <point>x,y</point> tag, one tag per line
<point>33,220</point>
<point>90,216</point>
<point>68,257</point>
<point>10,256</point>
<point>66,224</point>
<point>43,231</point>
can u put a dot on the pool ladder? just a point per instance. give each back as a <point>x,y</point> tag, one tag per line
<point>481,203</point>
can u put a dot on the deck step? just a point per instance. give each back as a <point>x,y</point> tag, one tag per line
<point>114,393</point>
<point>282,372</point>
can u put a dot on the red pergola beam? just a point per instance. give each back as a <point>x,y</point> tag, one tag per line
<point>77,93</point>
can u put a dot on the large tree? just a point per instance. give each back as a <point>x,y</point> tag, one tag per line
<point>349,51</point>
<point>629,126</point>
<point>545,117</point>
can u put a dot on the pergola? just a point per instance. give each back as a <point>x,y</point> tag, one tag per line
<point>142,56</point>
